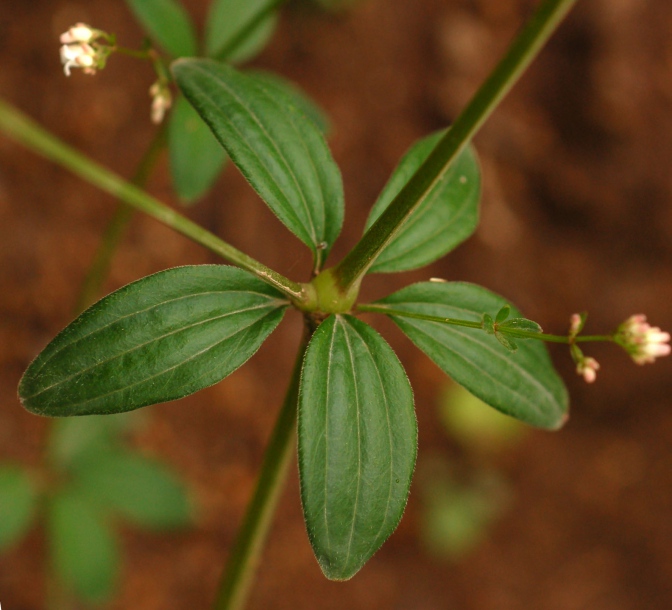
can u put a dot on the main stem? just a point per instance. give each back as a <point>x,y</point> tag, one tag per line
<point>520,54</point>
<point>27,132</point>
<point>236,580</point>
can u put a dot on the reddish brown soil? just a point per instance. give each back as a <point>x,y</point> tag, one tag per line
<point>576,216</point>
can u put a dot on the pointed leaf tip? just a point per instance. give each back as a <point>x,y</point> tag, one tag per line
<point>158,339</point>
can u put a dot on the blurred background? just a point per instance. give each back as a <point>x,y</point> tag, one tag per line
<point>576,216</point>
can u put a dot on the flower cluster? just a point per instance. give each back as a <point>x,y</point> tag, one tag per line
<point>80,50</point>
<point>642,341</point>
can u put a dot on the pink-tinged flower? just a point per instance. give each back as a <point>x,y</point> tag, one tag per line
<point>80,32</point>
<point>587,368</point>
<point>81,55</point>
<point>642,341</point>
<point>575,323</point>
<point>161,101</point>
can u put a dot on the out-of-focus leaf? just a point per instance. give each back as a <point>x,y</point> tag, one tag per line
<point>17,504</point>
<point>158,339</point>
<point>523,384</point>
<point>458,515</point>
<point>168,23</point>
<point>357,443</point>
<point>75,438</point>
<point>474,424</point>
<point>83,547</point>
<point>280,151</point>
<point>447,216</point>
<point>196,157</point>
<point>141,490</point>
<point>227,18</point>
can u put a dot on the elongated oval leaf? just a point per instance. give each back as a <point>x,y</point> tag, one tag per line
<point>357,443</point>
<point>523,384</point>
<point>142,490</point>
<point>157,339</point>
<point>17,504</point>
<point>168,23</point>
<point>271,81</point>
<point>447,216</point>
<point>280,152</point>
<point>227,18</point>
<point>196,157</point>
<point>83,547</point>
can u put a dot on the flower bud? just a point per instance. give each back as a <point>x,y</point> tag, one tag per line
<point>587,368</point>
<point>161,101</point>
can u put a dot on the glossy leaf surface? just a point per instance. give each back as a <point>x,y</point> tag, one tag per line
<point>168,23</point>
<point>357,443</point>
<point>83,547</point>
<point>158,339</point>
<point>196,157</point>
<point>447,216</point>
<point>280,152</point>
<point>271,80</point>
<point>17,504</point>
<point>141,490</point>
<point>523,384</point>
<point>227,18</point>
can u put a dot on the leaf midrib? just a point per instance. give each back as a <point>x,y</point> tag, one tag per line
<point>153,340</point>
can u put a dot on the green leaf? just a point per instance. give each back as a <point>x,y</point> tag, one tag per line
<point>509,344</point>
<point>168,23</point>
<point>523,385</point>
<point>17,504</point>
<point>447,216</point>
<point>196,157</point>
<point>158,339</point>
<point>280,152</point>
<point>503,314</point>
<point>488,324</point>
<point>76,438</point>
<point>306,105</point>
<point>227,18</point>
<point>357,443</point>
<point>529,326</point>
<point>144,491</point>
<point>83,547</point>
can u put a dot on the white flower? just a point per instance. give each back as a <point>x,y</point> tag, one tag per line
<point>161,101</point>
<point>642,341</point>
<point>80,55</point>
<point>80,32</point>
<point>587,368</point>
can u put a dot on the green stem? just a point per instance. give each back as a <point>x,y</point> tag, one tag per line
<point>512,332</point>
<point>245,31</point>
<point>24,130</point>
<point>236,580</point>
<point>114,231</point>
<point>521,52</point>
